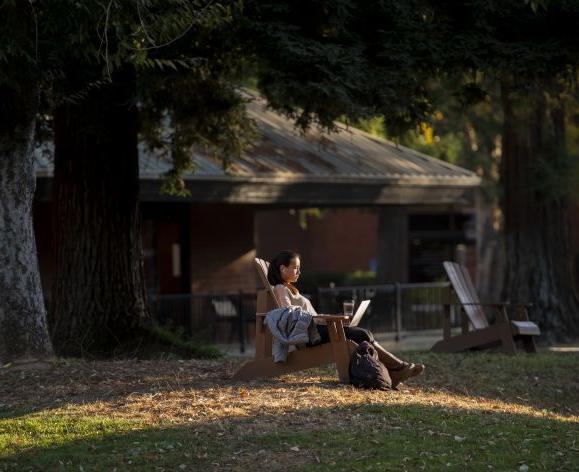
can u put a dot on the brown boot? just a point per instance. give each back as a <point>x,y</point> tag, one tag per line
<point>404,372</point>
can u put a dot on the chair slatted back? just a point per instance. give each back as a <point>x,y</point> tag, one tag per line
<point>262,268</point>
<point>466,293</point>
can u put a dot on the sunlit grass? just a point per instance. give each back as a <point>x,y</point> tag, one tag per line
<point>56,428</point>
<point>479,411</point>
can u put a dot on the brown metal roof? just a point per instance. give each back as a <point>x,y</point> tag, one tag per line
<point>284,154</point>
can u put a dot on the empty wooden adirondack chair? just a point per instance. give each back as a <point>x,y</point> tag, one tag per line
<point>338,350</point>
<point>476,330</point>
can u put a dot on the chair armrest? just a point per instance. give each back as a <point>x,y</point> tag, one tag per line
<point>333,317</point>
<point>323,317</point>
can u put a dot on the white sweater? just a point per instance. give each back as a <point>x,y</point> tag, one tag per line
<point>287,298</point>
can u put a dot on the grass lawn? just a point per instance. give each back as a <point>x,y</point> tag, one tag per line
<point>479,411</point>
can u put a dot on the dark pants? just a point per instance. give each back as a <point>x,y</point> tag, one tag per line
<point>354,333</point>
<point>360,334</point>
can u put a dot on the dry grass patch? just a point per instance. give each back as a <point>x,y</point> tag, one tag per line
<point>490,402</point>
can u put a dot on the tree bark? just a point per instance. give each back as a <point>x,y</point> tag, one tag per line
<point>491,266</point>
<point>539,266</point>
<point>23,327</point>
<point>98,299</point>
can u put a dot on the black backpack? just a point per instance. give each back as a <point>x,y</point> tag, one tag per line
<point>366,371</point>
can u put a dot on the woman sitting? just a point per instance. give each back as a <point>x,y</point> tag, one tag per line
<point>284,271</point>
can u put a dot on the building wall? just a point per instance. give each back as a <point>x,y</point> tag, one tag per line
<point>164,232</point>
<point>210,247</point>
<point>386,240</point>
<point>222,248</point>
<point>393,254</point>
<point>199,247</point>
<point>339,240</point>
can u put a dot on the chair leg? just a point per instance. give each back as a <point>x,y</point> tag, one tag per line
<point>507,339</point>
<point>446,322</point>
<point>528,341</point>
<point>263,339</point>
<point>529,344</point>
<point>340,350</point>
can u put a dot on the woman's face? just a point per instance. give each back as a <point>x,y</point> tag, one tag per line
<point>291,273</point>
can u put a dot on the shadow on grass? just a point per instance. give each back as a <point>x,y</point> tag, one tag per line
<point>367,437</point>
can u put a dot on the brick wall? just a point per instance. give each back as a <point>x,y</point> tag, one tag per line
<point>341,240</point>
<point>222,248</point>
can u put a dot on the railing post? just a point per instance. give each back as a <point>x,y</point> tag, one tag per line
<point>398,336</point>
<point>241,324</point>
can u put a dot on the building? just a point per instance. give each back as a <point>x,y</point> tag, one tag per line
<point>380,207</point>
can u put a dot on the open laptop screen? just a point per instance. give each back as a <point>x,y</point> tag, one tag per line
<point>359,313</point>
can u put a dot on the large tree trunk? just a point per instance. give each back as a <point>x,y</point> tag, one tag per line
<point>491,266</point>
<point>98,299</point>
<point>23,328</point>
<point>539,264</point>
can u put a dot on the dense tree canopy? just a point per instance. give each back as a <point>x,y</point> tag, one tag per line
<point>315,61</point>
<point>83,57</point>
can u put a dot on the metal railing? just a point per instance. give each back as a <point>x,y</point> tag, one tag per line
<point>395,307</point>
<point>218,318</point>
<point>229,318</point>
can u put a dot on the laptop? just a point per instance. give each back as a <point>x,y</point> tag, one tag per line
<point>359,313</point>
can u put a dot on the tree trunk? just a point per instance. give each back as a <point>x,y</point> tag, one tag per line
<point>23,327</point>
<point>491,268</point>
<point>539,264</point>
<point>98,299</point>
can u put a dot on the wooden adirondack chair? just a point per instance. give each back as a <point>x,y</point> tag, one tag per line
<point>476,330</point>
<point>338,350</point>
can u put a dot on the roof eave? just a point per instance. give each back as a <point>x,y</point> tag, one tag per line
<point>396,180</point>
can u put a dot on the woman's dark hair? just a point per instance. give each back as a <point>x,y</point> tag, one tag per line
<point>283,258</point>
